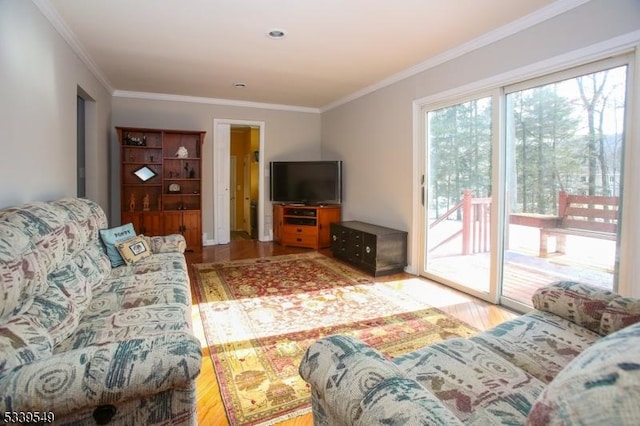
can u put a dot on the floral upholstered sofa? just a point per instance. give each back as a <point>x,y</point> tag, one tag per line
<point>85,343</point>
<point>575,359</point>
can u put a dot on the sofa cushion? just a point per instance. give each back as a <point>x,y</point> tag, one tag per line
<point>579,303</point>
<point>23,340</point>
<point>401,401</point>
<point>162,262</point>
<point>134,249</point>
<point>539,342</point>
<point>476,384</point>
<point>621,312</point>
<point>113,236</point>
<point>142,321</point>
<point>600,386</point>
<point>163,282</point>
<point>56,312</point>
<point>22,273</point>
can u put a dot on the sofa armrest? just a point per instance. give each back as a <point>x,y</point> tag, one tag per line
<point>353,384</point>
<point>172,243</point>
<point>102,375</point>
<point>579,303</point>
<point>403,401</point>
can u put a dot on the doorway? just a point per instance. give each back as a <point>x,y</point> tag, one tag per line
<point>244,191</point>
<point>238,191</point>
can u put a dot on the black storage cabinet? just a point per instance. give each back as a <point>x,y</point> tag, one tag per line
<point>375,249</point>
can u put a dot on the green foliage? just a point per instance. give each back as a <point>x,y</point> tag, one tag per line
<point>561,136</point>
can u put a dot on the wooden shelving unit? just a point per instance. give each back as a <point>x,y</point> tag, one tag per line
<point>161,182</point>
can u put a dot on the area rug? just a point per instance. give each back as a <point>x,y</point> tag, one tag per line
<point>260,315</point>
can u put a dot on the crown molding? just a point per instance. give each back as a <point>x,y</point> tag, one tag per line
<point>212,101</point>
<point>50,12</point>
<point>548,12</point>
<point>605,49</point>
<point>505,31</point>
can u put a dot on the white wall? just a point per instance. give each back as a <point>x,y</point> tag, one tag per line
<point>289,135</point>
<point>39,79</point>
<point>373,135</point>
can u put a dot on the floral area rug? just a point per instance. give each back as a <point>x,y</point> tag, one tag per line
<point>260,315</point>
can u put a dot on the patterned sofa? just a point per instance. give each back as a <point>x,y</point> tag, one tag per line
<point>81,342</point>
<point>575,359</point>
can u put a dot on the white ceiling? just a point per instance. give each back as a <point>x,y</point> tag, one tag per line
<point>334,49</point>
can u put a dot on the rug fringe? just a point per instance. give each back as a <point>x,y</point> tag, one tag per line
<point>296,413</point>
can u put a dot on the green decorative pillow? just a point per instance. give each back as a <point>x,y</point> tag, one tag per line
<point>113,236</point>
<point>134,249</point>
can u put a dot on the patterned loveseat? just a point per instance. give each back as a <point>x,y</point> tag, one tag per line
<point>81,342</point>
<point>573,360</point>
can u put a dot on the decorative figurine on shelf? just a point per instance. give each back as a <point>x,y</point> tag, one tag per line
<point>145,203</point>
<point>134,141</point>
<point>132,202</point>
<point>186,169</point>
<point>182,152</point>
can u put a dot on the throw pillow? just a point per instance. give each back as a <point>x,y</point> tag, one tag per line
<point>113,236</point>
<point>134,249</point>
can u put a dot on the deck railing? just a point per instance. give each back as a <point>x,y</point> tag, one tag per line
<point>476,222</point>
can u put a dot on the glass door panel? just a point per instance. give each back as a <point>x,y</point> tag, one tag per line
<point>458,204</point>
<point>564,170</point>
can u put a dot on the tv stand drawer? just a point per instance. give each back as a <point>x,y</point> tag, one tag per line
<point>300,239</point>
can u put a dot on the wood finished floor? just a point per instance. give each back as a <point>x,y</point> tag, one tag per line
<point>475,312</point>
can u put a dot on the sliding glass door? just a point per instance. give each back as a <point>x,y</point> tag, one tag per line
<point>564,169</point>
<point>524,187</point>
<point>458,200</point>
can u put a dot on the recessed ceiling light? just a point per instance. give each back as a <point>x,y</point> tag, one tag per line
<point>240,85</point>
<point>276,33</point>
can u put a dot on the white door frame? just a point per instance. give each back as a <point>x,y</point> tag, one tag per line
<point>246,194</point>
<point>233,193</point>
<point>221,160</point>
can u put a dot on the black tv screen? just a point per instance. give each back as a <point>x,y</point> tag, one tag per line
<point>306,182</point>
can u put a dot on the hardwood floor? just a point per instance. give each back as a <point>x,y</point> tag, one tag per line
<point>475,312</point>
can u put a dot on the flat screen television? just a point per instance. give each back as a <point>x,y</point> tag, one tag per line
<point>306,182</point>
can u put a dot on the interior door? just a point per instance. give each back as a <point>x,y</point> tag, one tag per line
<point>233,193</point>
<point>221,170</point>
<point>246,194</point>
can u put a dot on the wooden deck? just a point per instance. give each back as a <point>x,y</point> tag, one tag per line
<point>523,273</point>
<point>588,260</point>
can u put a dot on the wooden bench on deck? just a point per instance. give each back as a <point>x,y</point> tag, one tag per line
<point>592,216</point>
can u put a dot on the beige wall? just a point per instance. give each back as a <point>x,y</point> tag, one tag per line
<point>373,135</point>
<point>288,135</point>
<point>39,80</point>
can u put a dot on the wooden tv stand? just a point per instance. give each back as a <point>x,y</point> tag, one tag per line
<point>304,226</point>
